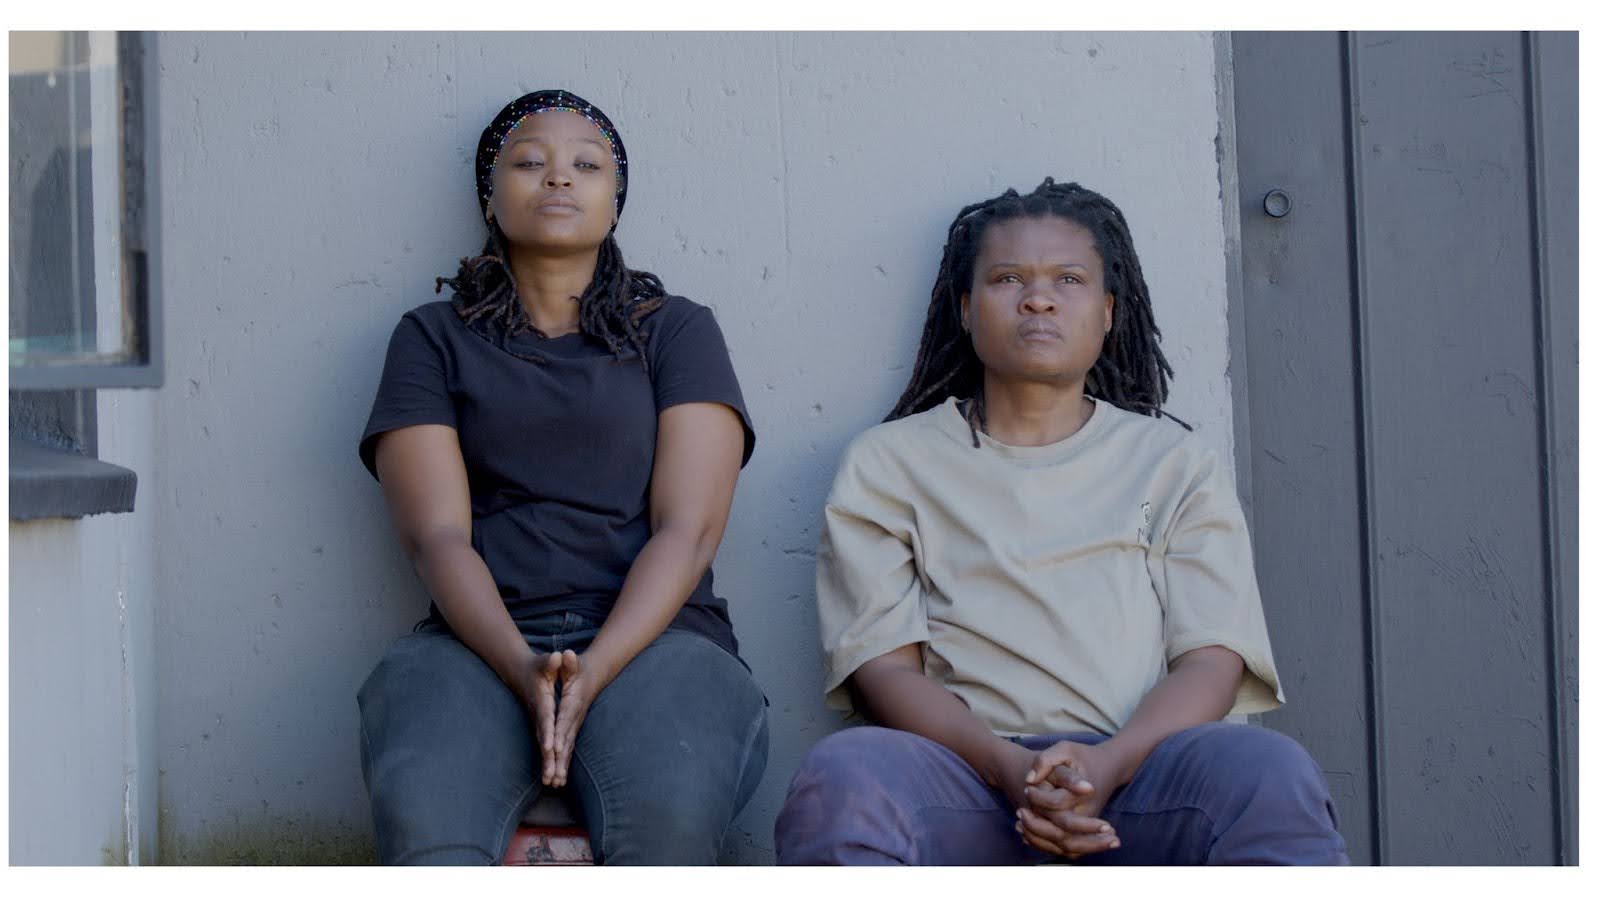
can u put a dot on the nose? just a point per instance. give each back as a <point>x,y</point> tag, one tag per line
<point>557,176</point>
<point>1037,301</point>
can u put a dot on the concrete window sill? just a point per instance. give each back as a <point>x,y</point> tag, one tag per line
<point>47,483</point>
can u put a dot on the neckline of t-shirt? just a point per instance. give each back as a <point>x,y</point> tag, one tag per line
<point>574,345</point>
<point>955,424</point>
<point>533,340</point>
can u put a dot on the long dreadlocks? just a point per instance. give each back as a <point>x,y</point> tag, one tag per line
<point>611,308</point>
<point>1131,371</point>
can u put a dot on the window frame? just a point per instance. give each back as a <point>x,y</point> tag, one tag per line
<point>53,467</point>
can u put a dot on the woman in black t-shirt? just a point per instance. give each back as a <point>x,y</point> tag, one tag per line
<point>558,445</point>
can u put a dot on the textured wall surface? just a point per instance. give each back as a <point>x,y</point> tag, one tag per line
<point>800,185</point>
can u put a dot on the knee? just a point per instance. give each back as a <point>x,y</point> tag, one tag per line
<point>1259,771</point>
<point>1277,762</point>
<point>415,828</point>
<point>444,855</point>
<point>842,764</point>
<point>674,816</point>
<point>663,829</point>
<point>842,797</point>
<point>1277,807</point>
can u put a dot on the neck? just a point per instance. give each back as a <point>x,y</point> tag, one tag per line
<point>549,287</point>
<point>1032,413</point>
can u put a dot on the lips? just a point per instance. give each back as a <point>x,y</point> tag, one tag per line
<point>1038,331</point>
<point>556,204</point>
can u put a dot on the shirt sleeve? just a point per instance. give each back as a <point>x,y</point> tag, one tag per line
<point>1206,582</point>
<point>869,592</point>
<point>692,365</point>
<point>412,391</point>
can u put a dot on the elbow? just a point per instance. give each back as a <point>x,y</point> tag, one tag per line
<point>432,543</point>
<point>1217,666</point>
<point>697,541</point>
<point>707,539</point>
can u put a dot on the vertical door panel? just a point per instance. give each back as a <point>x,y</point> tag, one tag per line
<point>1299,343</point>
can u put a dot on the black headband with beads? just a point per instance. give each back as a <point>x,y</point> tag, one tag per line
<point>493,137</point>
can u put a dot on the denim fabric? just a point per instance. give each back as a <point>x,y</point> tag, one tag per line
<point>1217,794</point>
<point>668,754</point>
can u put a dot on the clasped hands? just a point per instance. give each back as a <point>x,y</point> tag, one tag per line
<point>557,692</point>
<point>1060,795</point>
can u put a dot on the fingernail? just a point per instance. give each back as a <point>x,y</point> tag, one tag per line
<point>1115,844</point>
<point>1104,829</point>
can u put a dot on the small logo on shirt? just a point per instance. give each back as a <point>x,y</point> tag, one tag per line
<point>1144,530</point>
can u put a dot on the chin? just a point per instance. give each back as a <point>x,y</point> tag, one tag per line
<point>559,241</point>
<point>1041,367</point>
<point>1035,371</point>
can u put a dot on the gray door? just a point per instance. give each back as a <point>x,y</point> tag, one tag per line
<point>1410,348</point>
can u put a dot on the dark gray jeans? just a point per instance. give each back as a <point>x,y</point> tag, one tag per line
<point>1217,794</point>
<point>669,752</point>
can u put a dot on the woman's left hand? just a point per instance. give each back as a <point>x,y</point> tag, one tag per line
<point>1090,772</point>
<point>1068,781</point>
<point>580,684</point>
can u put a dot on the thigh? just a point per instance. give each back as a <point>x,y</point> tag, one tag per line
<point>670,752</point>
<point>446,752</point>
<point>871,794</point>
<point>1206,787</point>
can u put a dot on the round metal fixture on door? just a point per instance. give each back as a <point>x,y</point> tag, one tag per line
<point>1276,203</point>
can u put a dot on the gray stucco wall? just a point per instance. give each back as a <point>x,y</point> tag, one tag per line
<point>81,665</point>
<point>800,185</point>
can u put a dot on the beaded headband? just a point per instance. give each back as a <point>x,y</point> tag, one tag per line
<point>517,111</point>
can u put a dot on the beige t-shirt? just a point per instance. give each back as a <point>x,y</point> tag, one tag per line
<point>1051,585</point>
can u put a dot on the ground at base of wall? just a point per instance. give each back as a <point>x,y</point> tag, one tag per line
<point>271,844</point>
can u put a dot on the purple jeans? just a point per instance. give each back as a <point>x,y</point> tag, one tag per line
<point>1217,794</point>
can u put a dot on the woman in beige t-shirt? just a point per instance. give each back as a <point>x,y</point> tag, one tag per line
<point>1044,591</point>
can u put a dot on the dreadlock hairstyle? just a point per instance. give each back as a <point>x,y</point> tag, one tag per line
<point>1131,371</point>
<point>617,299</point>
<point>611,308</point>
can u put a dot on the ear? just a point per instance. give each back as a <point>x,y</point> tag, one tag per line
<point>1111,307</point>
<point>966,304</point>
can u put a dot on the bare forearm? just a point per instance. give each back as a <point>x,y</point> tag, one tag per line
<point>465,592</point>
<point>911,701</point>
<point>1200,688</point>
<point>660,580</point>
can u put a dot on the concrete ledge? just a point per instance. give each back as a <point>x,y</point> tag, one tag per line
<point>47,483</point>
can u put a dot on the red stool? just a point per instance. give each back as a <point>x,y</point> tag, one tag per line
<point>550,835</point>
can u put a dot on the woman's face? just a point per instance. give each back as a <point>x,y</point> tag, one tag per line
<point>555,185</point>
<point>1038,308</point>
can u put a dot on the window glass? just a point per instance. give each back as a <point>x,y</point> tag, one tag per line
<point>76,265</point>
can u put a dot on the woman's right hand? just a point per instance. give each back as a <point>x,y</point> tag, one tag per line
<point>1046,815</point>
<point>537,691</point>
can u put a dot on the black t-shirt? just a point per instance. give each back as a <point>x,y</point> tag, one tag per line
<point>558,436</point>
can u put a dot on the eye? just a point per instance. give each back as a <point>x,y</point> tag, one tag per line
<point>584,164</point>
<point>1009,278</point>
<point>528,164</point>
<point>1071,278</point>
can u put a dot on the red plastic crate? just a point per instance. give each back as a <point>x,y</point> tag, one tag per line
<point>549,845</point>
